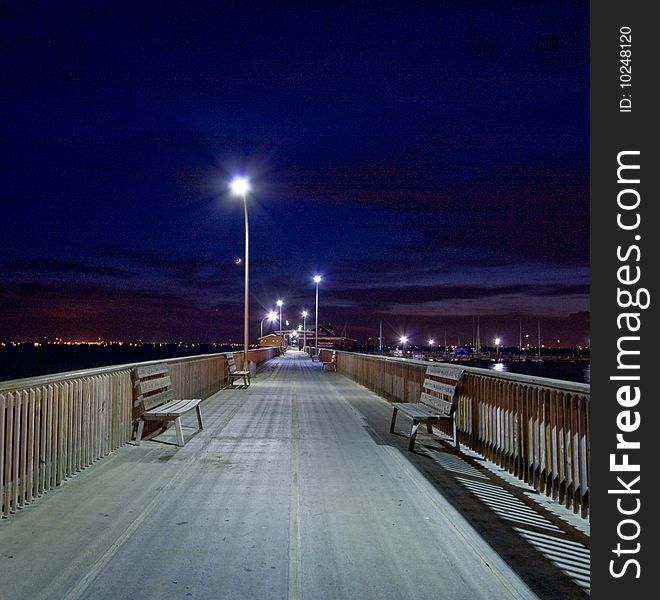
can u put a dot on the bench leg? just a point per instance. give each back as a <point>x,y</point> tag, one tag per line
<point>199,417</point>
<point>413,435</point>
<point>455,432</point>
<point>140,429</point>
<point>179,432</point>
<point>396,410</point>
<point>429,427</point>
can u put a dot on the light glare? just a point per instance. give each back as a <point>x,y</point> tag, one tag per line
<point>317,278</point>
<point>240,186</point>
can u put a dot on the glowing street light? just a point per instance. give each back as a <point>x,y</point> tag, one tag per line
<point>317,280</point>
<point>271,316</point>
<point>403,339</point>
<point>431,343</point>
<point>498,341</point>
<point>240,186</point>
<point>280,303</point>
<point>304,327</point>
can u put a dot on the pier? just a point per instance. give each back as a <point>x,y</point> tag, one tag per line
<point>294,488</point>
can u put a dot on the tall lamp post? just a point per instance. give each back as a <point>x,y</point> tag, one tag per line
<point>498,341</point>
<point>240,186</point>
<point>271,316</point>
<point>304,316</point>
<point>403,341</point>
<point>317,280</point>
<point>280,303</point>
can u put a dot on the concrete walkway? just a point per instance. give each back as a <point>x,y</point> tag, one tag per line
<point>295,490</point>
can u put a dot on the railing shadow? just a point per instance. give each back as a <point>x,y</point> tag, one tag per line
<point>549,554</point>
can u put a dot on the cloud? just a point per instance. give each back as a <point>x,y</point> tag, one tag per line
<point>49,265</point>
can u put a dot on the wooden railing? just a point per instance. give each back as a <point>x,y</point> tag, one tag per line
<point>52,427</point>
<point>535,428</point>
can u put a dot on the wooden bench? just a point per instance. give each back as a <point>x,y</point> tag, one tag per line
<point>155,397</point>
<point>437,402</point>
<point>233,373</point>
<point>331,365</point>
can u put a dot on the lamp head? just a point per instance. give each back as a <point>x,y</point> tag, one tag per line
<point>240,186</point>
<point>280,302</point>
<point>317,278</point>
<point>272,315</point>
<point>304,314</point>
<point>403,339</point>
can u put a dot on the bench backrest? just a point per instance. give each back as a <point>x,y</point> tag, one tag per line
<point>153,386</point>
<point>231,363</point>
<point>441,387</point>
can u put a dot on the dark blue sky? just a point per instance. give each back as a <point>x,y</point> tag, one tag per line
<point>429,160</point>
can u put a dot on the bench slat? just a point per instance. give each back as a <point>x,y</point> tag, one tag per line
<point>149,370</point>
<point>418,411</point>
<point>159,383</point>
<point>157,399</point>
<point>443,406</point>
<point>441,388</point>
<point>173,409</point>
<point>454,373</point>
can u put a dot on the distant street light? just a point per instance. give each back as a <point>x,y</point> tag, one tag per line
<point>304,316</point>
<point>240,186</point>
<point>403,341</point>
<point>431,342</point>
<point>317,280</point>
<point>280,303</point>
<point>271,316</point>
<point>498,341</point>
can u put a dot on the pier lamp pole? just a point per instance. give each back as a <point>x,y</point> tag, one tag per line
<point>240,186</point>
<point>280,303</point>
<point>403,341</point>
<point>317,280</point>
<point>304,316</point>
<point>271,316</point>
<point>497,343</point>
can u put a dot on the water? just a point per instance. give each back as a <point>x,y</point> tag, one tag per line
<point>26,360</point>
<point>578,372</point>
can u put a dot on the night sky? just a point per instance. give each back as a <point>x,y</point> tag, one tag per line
<point>430,161</point>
